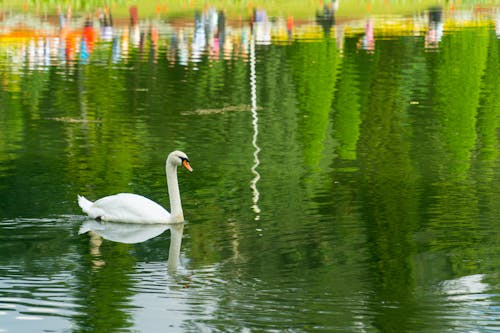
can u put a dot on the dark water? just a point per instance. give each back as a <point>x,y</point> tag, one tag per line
<point>344,180</point>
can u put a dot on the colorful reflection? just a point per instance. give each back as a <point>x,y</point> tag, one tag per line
<point>66,37</point>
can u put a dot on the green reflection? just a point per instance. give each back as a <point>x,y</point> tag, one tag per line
<point>389,185</point>
<point>346,106</point>
<point>314,67</point>
<point>105,287</point>
<point>457,75</point>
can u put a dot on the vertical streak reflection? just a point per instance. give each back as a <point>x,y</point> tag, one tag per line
<point>255,124</point>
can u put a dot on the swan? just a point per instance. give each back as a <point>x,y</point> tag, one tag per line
<point>134,208</point>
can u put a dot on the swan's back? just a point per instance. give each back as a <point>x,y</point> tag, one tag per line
<point>127,207</point>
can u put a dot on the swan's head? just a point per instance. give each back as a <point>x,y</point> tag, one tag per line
<point>178,158</point>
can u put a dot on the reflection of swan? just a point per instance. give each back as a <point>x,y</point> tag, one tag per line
<point>128,233</point>
<point>176,232</point>
<point>131,233</point>
<point>133,208</point>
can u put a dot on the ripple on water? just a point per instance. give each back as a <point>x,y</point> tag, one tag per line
<point>222,297</point>
<point>37,295</point>
<point>35,278</point>
<point>47,301</point>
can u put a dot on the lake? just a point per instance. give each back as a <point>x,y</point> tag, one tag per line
<point>346,170</point>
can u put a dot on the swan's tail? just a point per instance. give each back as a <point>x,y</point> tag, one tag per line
<point>84,203</point>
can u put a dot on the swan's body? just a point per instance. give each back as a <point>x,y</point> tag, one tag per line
<point>133,208</point>
<point>125,207</point>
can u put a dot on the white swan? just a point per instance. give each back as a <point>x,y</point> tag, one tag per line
<point>133,208</point>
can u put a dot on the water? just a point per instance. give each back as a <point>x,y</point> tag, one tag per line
<point>344,179</point>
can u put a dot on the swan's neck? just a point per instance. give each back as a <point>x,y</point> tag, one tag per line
<point>173,193</point>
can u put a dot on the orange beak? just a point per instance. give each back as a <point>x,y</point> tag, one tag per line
<point>185,164</point>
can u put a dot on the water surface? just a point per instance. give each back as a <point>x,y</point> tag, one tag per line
<point>346,172</point>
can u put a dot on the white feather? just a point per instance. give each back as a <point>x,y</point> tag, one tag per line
<point>133,208</point>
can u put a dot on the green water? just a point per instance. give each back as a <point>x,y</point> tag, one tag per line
<point>336,187</point>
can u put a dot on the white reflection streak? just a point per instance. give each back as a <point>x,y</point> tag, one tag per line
<point>255,119</point>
